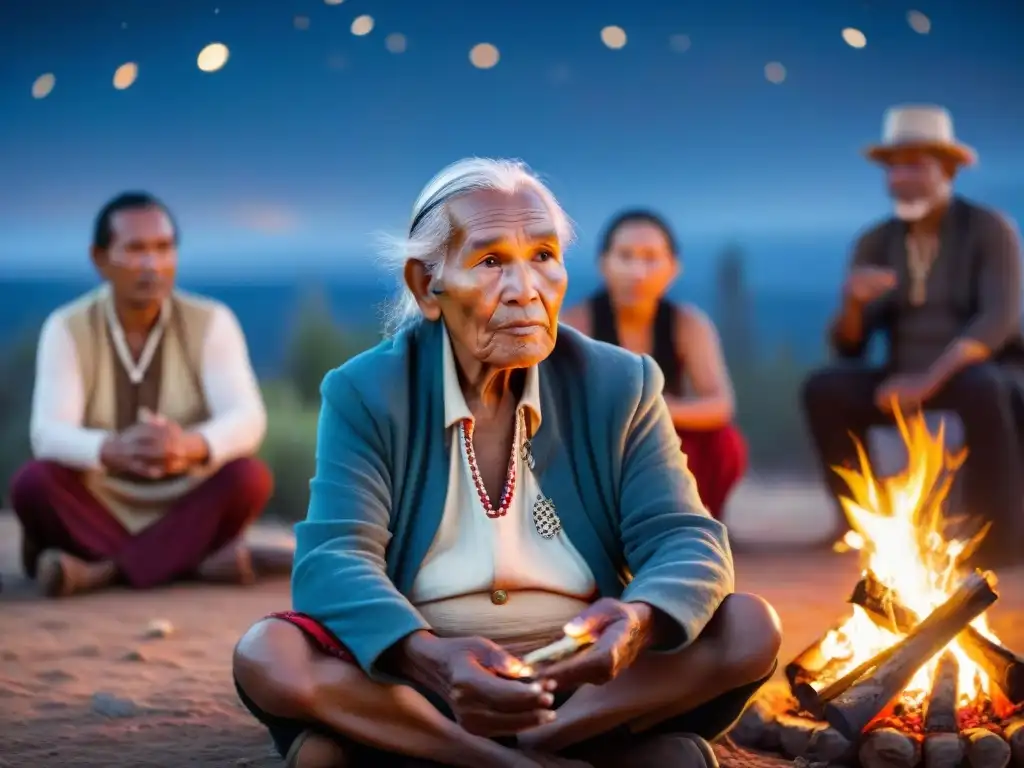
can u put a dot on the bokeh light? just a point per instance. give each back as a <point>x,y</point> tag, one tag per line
<point>42,86</point>
<point>124,76</point>
<point>333,2</point>
<point>213,57</point>
<point>484,56</point>
<point>919,22</point>
<point>362,25</point>
<point>396,42</point>
<point>301,23</point>
<point>774,72</point>
<point>560,75</point>
<point>679,43</point>
<point>613,37</point>
<point>854,38</point>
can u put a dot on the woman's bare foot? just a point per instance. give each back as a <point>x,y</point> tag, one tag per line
<point>62,575</point>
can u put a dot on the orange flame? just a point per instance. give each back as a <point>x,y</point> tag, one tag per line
<point>899,526</point>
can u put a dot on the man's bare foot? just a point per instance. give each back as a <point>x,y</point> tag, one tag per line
<point>62,575</point>
<point>314,750</point>
<point>230,565</point>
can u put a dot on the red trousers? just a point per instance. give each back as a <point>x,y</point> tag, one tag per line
<point>718,460</point>
<point>56,511</point>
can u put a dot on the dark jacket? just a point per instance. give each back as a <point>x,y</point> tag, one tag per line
<point>984,281</point>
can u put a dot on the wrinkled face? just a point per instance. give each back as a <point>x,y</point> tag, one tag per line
<point>914,174</point>
<point>503,280</point>
<point>142,259</point>
<point>639,266</point>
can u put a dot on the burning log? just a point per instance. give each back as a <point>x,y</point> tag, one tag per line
<point>795,734</point>
<point>942,745</point>
<point>888,748</point>
<point>853,709</point>
<point>943,750</point>
<point>940,712</point>
<point>1003,666</point>
<point>811,740</point>
<point>814,701</point>
<point>986,749</point>
<point>812,663</point>
<point>1014,732</point>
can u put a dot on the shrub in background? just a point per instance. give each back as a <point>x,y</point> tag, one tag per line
<point>289,449</point>
<point>17,373</point>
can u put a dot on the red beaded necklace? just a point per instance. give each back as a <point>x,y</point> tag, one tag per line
<point>466,427</point>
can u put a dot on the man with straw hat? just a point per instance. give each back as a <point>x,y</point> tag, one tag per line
<point>940,280</point>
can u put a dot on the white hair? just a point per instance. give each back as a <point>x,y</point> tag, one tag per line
<point>430,226</point>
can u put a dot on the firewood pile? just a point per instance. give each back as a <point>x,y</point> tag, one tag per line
<point>868,716</point>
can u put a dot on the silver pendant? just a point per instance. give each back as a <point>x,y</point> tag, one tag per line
<point>527,453</point>
<point>545,518</point>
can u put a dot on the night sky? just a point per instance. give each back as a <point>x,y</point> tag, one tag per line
<point>311,138</point>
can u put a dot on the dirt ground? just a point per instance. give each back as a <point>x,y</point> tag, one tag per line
<point>81,684</point>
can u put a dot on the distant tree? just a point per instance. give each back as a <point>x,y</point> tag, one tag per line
<point>734,309</point>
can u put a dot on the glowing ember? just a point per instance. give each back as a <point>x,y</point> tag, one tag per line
<point>613,37</point>
<point>899,528</point>
<point>774,72</point>
<point>362,25</point>
<point>679,43</point>
<point>125,75</point>
<point>854,38</point>
<point>919,22</point>
<point>43,85</point>
<point>395,42</point>
<point>484,56</point>
<point>213,57</point>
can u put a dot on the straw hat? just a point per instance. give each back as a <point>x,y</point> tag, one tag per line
<point>927,128</point>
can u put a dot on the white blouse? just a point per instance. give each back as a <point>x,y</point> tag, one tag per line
<point>472,553</point>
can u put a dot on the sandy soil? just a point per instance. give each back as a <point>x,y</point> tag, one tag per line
<point>82,685</point>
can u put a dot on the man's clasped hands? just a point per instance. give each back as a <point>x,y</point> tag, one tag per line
<point>154,447</point>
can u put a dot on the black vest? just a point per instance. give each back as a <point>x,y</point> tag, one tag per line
<point>664,352</point>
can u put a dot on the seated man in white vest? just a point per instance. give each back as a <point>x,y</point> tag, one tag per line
<point>146,416</point>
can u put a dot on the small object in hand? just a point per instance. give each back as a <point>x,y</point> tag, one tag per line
<point>558,650</point>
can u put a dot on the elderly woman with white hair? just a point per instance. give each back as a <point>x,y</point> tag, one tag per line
<point>489,482</point>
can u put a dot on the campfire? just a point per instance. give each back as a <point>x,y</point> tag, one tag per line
<point>913,675</point>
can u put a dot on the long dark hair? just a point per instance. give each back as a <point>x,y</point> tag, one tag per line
<point>637,216</point>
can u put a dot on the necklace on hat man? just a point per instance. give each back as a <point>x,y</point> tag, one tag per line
<point>922,250</point>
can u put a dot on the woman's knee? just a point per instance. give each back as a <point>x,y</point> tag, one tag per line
<point>272,664</point>
<point>752,632</point>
